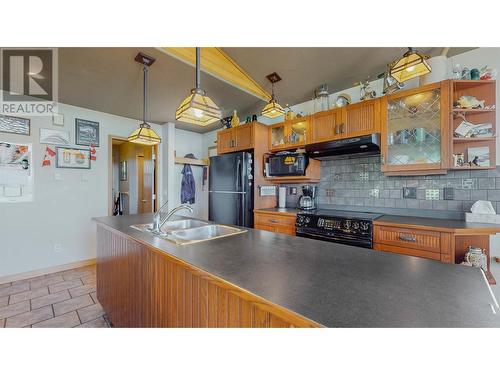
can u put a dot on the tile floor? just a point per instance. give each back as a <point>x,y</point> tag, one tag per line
<point>58,300</point>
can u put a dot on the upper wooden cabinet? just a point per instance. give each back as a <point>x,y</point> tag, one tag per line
<point>289,134</point>
<point>350,121</point>
<point>235,139</point>
<point>361,119</point>
<point>415,130</point>
<point>325,126</point>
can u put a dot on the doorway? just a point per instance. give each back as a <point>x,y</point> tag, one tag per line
<point>133,171</point>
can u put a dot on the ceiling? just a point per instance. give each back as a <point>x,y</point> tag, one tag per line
<point>109,80</point>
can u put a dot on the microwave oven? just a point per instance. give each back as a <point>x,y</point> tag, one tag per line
<point>288,164</point>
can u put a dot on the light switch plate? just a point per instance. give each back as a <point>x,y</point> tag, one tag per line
<point>448,193</point>
<point>57,177</point>
<point>431,194</point>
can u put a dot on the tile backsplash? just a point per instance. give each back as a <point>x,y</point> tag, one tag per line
<point>358,182</point>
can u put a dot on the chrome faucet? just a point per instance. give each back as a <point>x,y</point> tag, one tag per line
<point>157,219</point>
<point>158,223</point>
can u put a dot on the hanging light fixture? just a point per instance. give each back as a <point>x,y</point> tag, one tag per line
<point>411,65</point>
<point>273,109</point>
<point>144,135</point>
<point>198,108</point>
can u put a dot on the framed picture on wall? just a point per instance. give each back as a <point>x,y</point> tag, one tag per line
<point>54,137</point>
<point>123,171</point>
<point>76,158</point>
<point>15,125</point>
<point>86,132</point>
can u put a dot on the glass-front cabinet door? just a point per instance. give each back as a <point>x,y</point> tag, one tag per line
<point>416,132</point>
<point>289,134</point>
<point>297,130</point>
<point>277,136</point>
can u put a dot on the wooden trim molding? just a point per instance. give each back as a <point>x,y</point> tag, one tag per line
<point>140,286</point>
<point>45,271</point>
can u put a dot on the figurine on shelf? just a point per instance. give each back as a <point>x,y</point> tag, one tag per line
<point>366,91</point>
<point>488,73</point>
<point>458,160</point>
<point>289,114</point>
<point>235,121</point>
<point>469,102</point>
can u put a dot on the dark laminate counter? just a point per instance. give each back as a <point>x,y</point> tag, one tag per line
<point>333,284</point>
<point>442,225</point>
<point>278,211</point>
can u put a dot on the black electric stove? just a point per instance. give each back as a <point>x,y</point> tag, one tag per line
<point>347,227</point>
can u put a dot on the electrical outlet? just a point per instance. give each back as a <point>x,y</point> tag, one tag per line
<point>329,193</point>
<point>448,193</point>
<point>57,248</point>
<point>374,193</point>
<point>293,190</point>
<point>410,192</point>
<point>363,176</point>
<point>57,177</point>
<point>431,194</point>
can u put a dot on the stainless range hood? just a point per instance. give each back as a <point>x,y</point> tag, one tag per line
<point>367,145</point>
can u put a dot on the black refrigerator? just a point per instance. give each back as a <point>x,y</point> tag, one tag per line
<point>230,193</point>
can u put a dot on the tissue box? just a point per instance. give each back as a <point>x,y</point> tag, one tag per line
<point>482,218</point>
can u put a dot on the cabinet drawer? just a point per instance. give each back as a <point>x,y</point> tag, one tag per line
<point>269,219</point>
<point>408,238</point>
<point>407,251</point>
<point>290,230</point>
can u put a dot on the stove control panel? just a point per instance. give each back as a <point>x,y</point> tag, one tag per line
<point>325,224</point>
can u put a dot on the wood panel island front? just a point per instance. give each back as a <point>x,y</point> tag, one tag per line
<point>263,279</point>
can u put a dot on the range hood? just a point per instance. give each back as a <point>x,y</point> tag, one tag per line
<point>367,144</point>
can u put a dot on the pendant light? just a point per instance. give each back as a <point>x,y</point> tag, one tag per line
<point>198,108</point>
<point>411,65</point>
<point>144,135</point>
<point>273,109</point>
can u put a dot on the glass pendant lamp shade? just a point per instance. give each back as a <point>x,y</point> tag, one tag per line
<point>144,135</point>
<point>272,109</point>
<point>411,65</point>
<point>198,108</point>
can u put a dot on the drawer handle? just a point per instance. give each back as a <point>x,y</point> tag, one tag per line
<point>273,221</point>
<point>407,238</point>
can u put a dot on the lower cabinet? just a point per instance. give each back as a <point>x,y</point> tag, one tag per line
<point>421,243</point>
<point>276,223</point>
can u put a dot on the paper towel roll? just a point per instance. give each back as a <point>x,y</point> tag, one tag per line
<point>282,197</point>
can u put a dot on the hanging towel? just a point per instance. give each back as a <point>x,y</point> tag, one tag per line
<point>188,187</point>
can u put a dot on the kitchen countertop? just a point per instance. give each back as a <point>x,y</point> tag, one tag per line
<point>442,225</point>
<point>333,284</point>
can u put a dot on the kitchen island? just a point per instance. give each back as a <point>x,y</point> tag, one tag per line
<point>263,279</point>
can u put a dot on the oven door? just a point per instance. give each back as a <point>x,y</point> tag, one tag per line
<point>335,237</point>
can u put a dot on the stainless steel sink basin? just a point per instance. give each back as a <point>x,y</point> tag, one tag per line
<point>172,225</point>
<point>183,232</point>
<point>205,233</point>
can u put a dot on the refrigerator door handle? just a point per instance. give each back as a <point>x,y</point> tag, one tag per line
<point>238,175</point>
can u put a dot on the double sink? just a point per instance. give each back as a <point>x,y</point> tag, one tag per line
<point>189,231</point>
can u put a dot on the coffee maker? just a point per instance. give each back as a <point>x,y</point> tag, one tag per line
<point>307,201</point>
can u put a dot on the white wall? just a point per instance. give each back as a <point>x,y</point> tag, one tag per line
<point>187,142</point>
<point>62,210</point>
